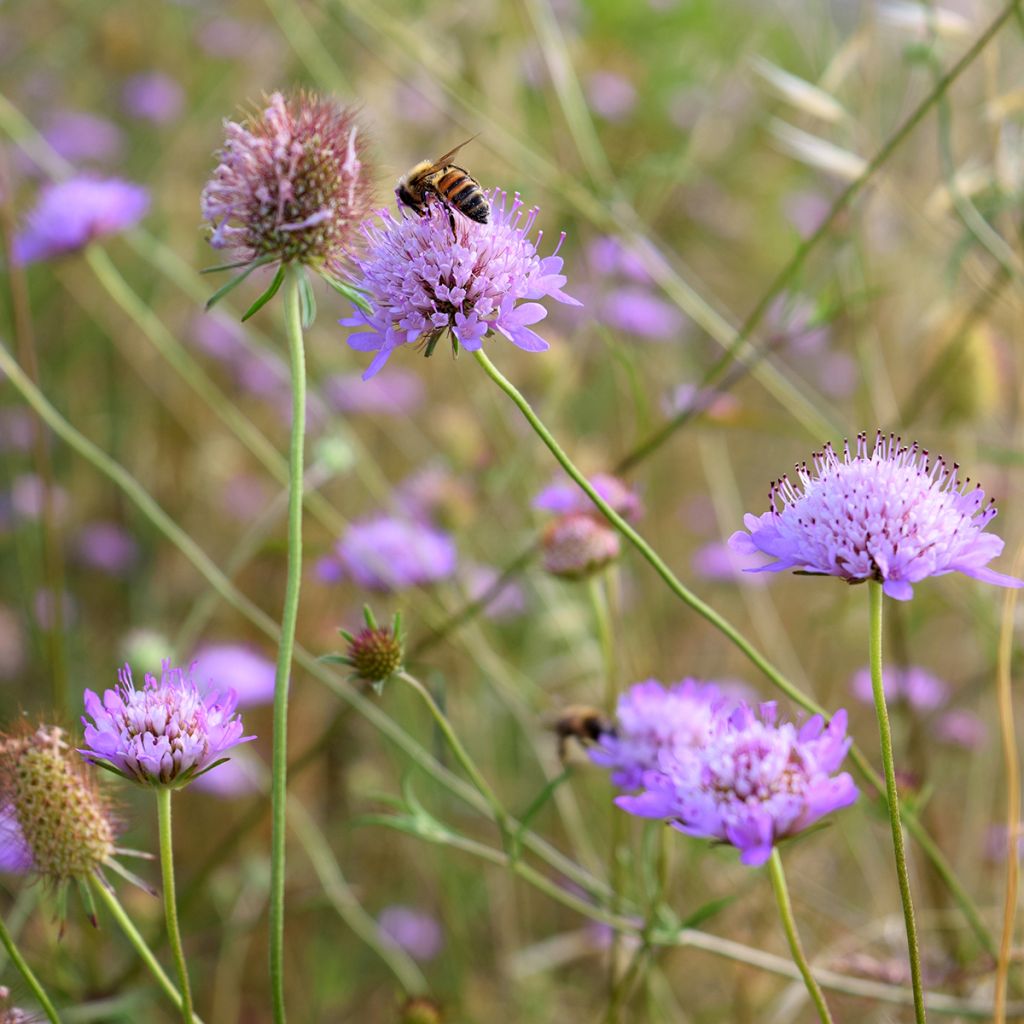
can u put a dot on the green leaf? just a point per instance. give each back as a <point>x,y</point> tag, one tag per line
<point>531,812</point>
<point>351,292</point>
<point>275,286</point>
<point>235,282</point>
<point>234,266</point>
<point>307,301</point>
<point>707,911</point>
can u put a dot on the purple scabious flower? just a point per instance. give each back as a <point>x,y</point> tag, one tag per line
<point>395,393</point>
<point>165,734</point>
<point>153,96</point>
<point>639,311</point>
<point>577,545</point>
<point>914,686</point>
<point>418,933</point>
<point>889,515</point>
<point>564,497</point>
<point>652,718</point>
<point>421,282</point>
<point>80,137</point>
<point>753,783</point>
<point>71,214</point>
<point>387,554</point>
<point>291,185</point>
<point>107,547</point>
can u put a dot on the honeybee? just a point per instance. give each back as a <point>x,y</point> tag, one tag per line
<point>584,723</point>
<point>453,187</point>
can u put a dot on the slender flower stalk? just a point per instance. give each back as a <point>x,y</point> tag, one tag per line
<point>892,795</point>
<point>163,803</point>
<point>279,756</point>
<point>27,974</point>
<point>793,937</point>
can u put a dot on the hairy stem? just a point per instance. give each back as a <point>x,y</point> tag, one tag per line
<point>27,974</point>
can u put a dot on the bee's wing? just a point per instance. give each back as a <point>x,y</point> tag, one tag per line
<point>443,161</point>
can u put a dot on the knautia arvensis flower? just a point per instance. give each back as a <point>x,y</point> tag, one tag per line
<point>165,734</point>
<point>577,545</point>
<point>753,781</point>
<point>53,821</point>
<point>889,514</point>
<point>291,185</point>
<point>422,283</point>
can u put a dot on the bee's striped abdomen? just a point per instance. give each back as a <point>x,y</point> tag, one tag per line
<point>464,193</point>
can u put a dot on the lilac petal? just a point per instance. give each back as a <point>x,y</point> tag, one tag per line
<point>898,590</point>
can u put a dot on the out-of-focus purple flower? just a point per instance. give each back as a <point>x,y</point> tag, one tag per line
<point>107,547</point>
<point>889,515</point>
<point>218,337</point>
<point>291,185</point>
<point>508,603</point>
<point>652,719</point>
<point>244,774</point>
<point>415,931</point>
<point>17,427</point>
<point>717,561</point>
<point>164,734</point>
<point>961,728</point>
<point>577,545</point>
<point>914,685</point>
<point>753,783</point>
<point>611,95</point>
<point>563,497</point>
<point>607,256</point>
<point>153,96</point>
<point>641,312</point>
<point>328,569</point>
<point>392,393</point>
<point>15,854</point>
<point>433,494</point>
<point>70,214</point>
<point>806,211</point>
<point>386,553</point>
<point>83,138</point>
<point>28,498</point>
<point>422,283</point>
<point>261,374</point>
<point>244,497</point>
<point>716,405</point>
<point>45,607</point>
<point>998,844</point>
<point>227,37</point>
<point>247,672</point>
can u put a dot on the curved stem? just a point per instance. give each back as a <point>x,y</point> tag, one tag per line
<point>279,758</point>
<point>26,972</point>
<point>793,936</point>
<point>163,804</point>
<point>892,795</point>
<point>460,752</point>
<point>110,900</point>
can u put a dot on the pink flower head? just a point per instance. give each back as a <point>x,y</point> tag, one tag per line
<point>915,686</point>
<point>165,734</point>
<point>652,718</point>
<point>889,515</point>
<point>71,214</point>
<point>753,783</point>
<point>387,553</point>
<point>291,185</point>
<point>422,283</point>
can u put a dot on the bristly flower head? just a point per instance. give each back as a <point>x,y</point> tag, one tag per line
<point>422,283</point>
<point>889,515</point>
<point>753,783</point>
<point>653,718</point>
<point>375,653</point>
<point>291,185</point>
<point>165,734</point>
<point>578,545</point>
<point>53,821</point>
<point>71,214</point>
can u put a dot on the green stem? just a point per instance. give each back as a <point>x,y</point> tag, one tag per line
<point>892,795</point>
<point>460,752</point>
<point>279,758</point>
<point>26,972</point>
<point>133,935</point>
<point>793,936</point>
<point>163,804</point>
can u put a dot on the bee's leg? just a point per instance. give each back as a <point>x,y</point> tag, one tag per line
<point>451,221</point>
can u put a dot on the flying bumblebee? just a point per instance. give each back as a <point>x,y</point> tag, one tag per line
<point>581,722</point>
<point>453,187</point>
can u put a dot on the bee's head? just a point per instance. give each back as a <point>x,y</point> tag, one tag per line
<point>407,198</point>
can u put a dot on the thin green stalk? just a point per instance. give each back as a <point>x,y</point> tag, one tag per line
<point>163,804</point>
<point>892,795</point>
<point>110,900</point>
<point>26,972</point>
<point>725,627</point>
<point>279,757</point>
<point>793,936</point>
<point>461,754</point>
